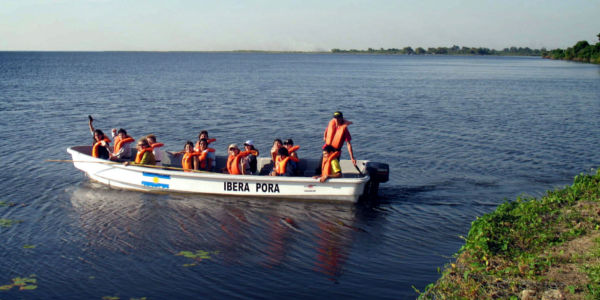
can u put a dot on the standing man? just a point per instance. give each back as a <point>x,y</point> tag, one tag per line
<point>337,133</point>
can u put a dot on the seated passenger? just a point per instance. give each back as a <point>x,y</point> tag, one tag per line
<point>144,154</point>
<point>250,160</point>
<point>330,166</point>
<point>122,149</point>
<point>277,143</point>
<point>151,138</point>
<point>282,166</point>
<point>189,161</point>
<point>203,135</point>
<point>206,157</point>
<point>234,161</point>
<point>294,160</point>
<point>100,148</point>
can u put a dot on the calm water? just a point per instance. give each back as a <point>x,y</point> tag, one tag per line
<point>461,135</point>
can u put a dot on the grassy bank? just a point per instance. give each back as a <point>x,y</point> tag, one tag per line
<point>531,249</point>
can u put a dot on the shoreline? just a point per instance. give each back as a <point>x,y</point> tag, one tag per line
<point>530,248</point>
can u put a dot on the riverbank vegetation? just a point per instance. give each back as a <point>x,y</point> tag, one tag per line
<point>581,51</point>
<point>531,249</point>
<point>454,50</point>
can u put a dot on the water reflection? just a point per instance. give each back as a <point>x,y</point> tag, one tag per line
<point>236,232</point>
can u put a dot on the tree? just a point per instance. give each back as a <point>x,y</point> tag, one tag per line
<point>598,37</point>
<point>408,50</point>
<point>580,46</point>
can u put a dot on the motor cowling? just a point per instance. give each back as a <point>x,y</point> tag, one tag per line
<point>379,172</point>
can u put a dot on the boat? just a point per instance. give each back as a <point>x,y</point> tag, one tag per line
<point>360,181</point>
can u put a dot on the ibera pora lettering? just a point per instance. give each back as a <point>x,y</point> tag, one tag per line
<point>259,187</point>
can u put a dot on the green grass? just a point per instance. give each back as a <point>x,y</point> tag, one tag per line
<point>518,246</point>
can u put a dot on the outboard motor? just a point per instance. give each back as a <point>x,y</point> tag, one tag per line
<point>379,172</point>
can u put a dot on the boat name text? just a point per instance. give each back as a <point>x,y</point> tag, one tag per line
<point>229,186</point>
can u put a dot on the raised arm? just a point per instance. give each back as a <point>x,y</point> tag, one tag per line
<point>90,120</point>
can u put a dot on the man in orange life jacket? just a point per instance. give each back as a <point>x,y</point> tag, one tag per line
<point>337,133</point>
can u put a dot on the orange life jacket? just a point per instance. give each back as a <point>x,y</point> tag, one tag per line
<point>326,164</point>
<point>140,155</point>
<point>281,165</point>
<point>120,142</point>
<point>156,145</point>
<point>292,150</point>
<point>203,159</point>
<point>96,145</point>
<point>334,134</point>
<point>186,161</point>
<point>233,162</point>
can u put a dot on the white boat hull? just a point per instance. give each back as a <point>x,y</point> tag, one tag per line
<point>163,180</point>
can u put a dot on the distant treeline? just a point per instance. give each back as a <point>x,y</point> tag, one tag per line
<point>454,50</point>
<point>582,51</point>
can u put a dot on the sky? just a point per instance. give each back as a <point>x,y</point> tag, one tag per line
<point>292,25</point>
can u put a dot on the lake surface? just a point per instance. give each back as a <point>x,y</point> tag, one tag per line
<point>461,135</point>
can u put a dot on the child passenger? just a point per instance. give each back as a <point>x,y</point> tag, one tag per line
<point>330,166</point>
<point>122,149</point>
<point>277,143</point>
<point>101,142</point>
<point>151,138</point>
<point>250,160</point>
<point>211,154</point>
<point>234,161</point>
<point>282,165</point>
<point>206,158</point>
<point>294,160</point>
<point>190,158</point>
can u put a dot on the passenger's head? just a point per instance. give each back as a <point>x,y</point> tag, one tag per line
<point>122,133</point>
<point>142,144</point>
<point>249,145</point>
<point>151,138</point>
<point>188,147</point>
<point>203,135</point>
<point>203,144</point>
<point>233,149</point>
<point>98,135</point>
<point>288,143</point>
<point>338,115</point>
<point>278,143</point>
<point>283,152</point>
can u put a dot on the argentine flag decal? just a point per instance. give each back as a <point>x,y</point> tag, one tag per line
<point>156,180</point>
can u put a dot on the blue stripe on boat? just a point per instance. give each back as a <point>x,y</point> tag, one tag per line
<point>156,185</point>
<point>156,175</point>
